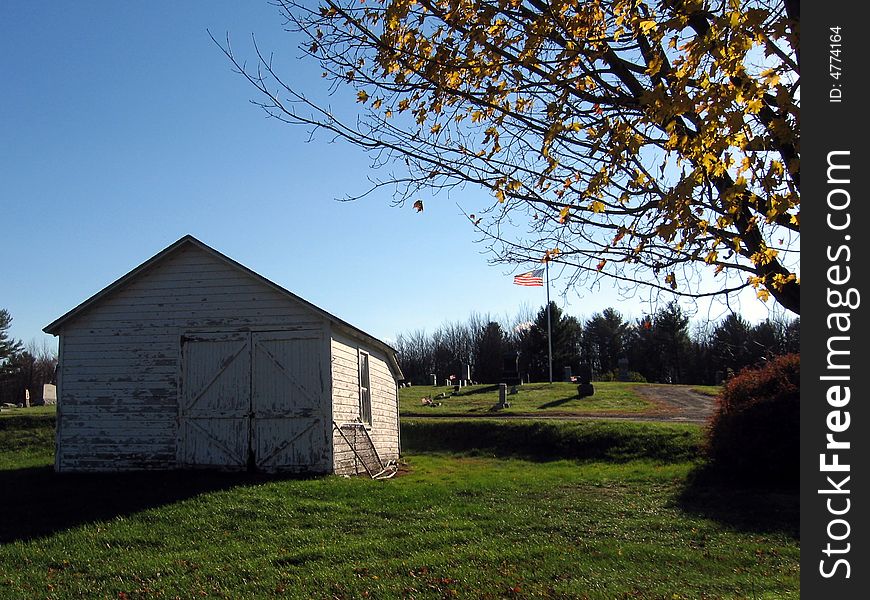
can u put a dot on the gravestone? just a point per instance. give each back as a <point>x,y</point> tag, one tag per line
<point>434,378</point>
<point>623,369</point>
<point>49,395</point>
<point>584,380</point>
<point>566,373</point>
<point>510,374</point>
<point>465,375</point>
<point>502,396</point>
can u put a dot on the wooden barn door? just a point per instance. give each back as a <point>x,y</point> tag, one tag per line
<point>214,415</point>
<point>290,421</point>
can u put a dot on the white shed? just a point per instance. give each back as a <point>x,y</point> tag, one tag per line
<point>192,360</point>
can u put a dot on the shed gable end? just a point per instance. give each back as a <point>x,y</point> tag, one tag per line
<point>186,287</point>
<point>120,365</point>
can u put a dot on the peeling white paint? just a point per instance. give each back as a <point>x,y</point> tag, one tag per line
<point>196,363</point>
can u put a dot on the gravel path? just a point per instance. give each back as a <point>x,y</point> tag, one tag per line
<point>678,403</point>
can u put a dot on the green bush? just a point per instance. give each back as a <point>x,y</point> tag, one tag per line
<point>633,376</point>
<point>754,435</point>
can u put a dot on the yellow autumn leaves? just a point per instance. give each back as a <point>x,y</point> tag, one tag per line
<point>669,121</point>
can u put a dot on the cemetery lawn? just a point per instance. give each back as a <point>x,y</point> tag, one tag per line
<point>26,439</point>
<point>538,399</point>
<point>451,525</point>
<point>709,390</point>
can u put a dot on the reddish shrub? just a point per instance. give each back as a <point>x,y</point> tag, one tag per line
<point>754,435</point>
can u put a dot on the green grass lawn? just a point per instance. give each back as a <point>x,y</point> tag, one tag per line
<point>552,439</point>
<point>452,524</point>
<point>26,437</point>
<point>29,411</point>
<point>709,390</point>
<point>558,398</point>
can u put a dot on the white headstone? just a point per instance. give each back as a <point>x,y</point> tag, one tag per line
<point>49,393</point>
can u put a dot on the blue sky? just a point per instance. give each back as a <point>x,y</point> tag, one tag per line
<point>123,128</point>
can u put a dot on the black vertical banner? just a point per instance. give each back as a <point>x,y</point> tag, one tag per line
<point>835,561</point>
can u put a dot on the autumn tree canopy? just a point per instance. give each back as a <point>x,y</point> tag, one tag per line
<point>651,142</point>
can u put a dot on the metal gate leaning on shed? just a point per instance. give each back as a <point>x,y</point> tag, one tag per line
<point>192,360</point>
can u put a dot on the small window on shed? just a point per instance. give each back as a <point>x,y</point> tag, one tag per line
<point>365,390</point>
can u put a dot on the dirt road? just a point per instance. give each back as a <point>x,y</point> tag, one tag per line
<point>677,403</point>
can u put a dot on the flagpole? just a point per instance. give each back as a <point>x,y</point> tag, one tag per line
<point>549,329</point>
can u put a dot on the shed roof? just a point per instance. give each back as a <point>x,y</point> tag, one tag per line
<point>55,327</point>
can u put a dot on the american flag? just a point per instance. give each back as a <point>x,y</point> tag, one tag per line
<point>535,277</point>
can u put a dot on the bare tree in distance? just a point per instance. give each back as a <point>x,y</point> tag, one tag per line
<point>45,360</point>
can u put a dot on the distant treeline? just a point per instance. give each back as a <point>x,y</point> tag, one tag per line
<point>658,348</point>
<point>23,369</point>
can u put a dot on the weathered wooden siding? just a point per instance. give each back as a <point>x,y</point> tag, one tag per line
<point>291,402</point>
<point>346,396</point>
<point>119,374</point>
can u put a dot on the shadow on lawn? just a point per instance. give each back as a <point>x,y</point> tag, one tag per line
<point>485,389</point>
<point>557,402</point>
<point>743,507</point>
<point>37,502</point>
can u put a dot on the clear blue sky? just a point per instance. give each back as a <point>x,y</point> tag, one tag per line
<point>123,128</point>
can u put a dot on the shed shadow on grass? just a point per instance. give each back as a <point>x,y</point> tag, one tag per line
<point>744,507</point>
<point>37,502</point>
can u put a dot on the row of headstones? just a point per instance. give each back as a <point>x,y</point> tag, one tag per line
<point>40,395</point>
<point>584,376</point>
<point>463,379</point>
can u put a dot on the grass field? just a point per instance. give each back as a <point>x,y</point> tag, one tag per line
<point>26,437</point>
<point>551,439</point>
<point>558,398</point>
<point>635,521</point>
<point>709,390</point>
